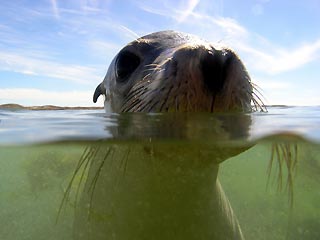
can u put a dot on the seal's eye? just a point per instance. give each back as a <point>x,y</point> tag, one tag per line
<point>126,63</point>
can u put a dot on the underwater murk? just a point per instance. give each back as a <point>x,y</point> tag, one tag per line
<point>94,175</point>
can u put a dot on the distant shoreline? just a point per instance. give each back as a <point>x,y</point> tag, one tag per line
<point>44,107</point>
<point>14,106</point>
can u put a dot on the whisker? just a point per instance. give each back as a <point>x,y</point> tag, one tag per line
<point>258,102</point>
<point>167,97</point>
<point>95,179</point>
<point>86,157</point>
<point>286,153</point>
<point>124,162</point>
<point>85,170</point>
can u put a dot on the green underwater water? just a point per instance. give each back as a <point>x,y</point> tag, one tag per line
<point>34,179</point>
<point>264,211</point>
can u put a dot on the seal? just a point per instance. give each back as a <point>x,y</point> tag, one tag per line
<point>167,191</point>
<point>171,71</point>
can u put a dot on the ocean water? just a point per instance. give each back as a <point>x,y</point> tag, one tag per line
<point>71,174</point>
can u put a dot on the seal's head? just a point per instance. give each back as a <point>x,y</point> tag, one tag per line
<point>171,71</point>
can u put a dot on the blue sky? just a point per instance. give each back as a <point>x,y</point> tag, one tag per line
<point>57,52</point>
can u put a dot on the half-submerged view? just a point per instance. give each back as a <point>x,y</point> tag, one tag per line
<point>185,150</point>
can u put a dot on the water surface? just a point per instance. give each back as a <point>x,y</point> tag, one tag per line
<point>40,150</point>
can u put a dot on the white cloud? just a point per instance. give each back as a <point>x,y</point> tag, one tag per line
<point>259,53</point>
<point>230,25</point>
<point>190,6</point>
<point>104,49</point>
<point>291,99</point>
<point>43,67</point>
<point>34,97</point>
<point>274,60</point>
<point>55,8</point>
<point>266,84</point>
<point>128,32</point>
<point>157,11</point>
<point>187,18</point>
<point>286,91</point>
<point>177,10</point>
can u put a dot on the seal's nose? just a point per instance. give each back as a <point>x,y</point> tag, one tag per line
<point>211,64</point>
<point>214,67</point>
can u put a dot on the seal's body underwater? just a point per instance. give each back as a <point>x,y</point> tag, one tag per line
<point>165,192</point>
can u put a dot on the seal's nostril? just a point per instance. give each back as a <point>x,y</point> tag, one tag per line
<point>214,67</point>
